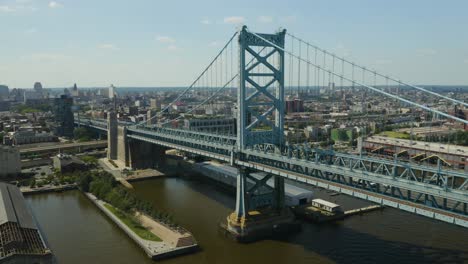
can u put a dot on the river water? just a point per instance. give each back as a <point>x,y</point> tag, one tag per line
<point>79,233</point>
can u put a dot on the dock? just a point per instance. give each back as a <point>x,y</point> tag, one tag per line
<point>363,210</point>
<point>125,183</point>
<point>317,215</point>
<point>146,174</point>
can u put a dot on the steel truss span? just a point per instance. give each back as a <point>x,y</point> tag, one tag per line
<point>428,191</point>
<point>259,145</point>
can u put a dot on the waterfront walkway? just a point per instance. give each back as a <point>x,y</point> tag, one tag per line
<point>154,249</point>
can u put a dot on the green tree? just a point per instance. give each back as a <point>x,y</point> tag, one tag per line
<point>32,184</point>
<point>83,182</point>
<point>89,159</point>
<point>82,134</point>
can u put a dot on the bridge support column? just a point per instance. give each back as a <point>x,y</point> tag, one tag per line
<point>112,131</point>
<point>279,192</point>
<point>260,208</point>
<point>240,194</point>
<point>143,155</point>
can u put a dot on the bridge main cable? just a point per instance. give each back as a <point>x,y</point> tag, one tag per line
<point>204,101</point>
<point>378,73</point>
<point>363,85</point>
<point>194,82</point>
<point>212,96</point>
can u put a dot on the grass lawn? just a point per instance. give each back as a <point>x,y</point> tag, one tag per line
<point>394,134</point>
<point>134,226</point>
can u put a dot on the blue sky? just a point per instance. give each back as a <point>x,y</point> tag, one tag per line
<point>167,43</point>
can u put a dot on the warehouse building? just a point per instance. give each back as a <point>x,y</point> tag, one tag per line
<point>20,239</point>
<point>10,163</point>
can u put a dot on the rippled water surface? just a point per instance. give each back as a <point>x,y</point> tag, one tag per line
<point>79,233</point>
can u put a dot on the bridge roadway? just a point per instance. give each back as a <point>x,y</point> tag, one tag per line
<point>85,145</point>
<point>428,191</point>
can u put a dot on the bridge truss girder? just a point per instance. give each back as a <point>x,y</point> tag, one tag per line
<point>328,168</point>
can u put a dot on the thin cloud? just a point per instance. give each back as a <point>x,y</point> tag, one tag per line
<point>288,19</point>
<point>426,52</point>
<point>213,44</point>
<point>54,4</point>
<point>234,20</point>
<point>6,9</point>
<point>465,61</point>
<point>17,6</point>
<point>108,47</point>
<point>206,21</point>
<point>342,51</point>
<point>172,48</point>
<point>383,62</point>
<point>45,57</point>
<point>265,19</point>
<point>165,39</point>
<point>30,31</point>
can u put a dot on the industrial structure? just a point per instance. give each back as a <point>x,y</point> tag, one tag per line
<point>20,238</point>
<point>419,151</point>
<point>10,164</point>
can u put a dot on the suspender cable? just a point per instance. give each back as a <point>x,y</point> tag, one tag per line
<point>370,87</point>
<point>389,77</point>
<point>194,82</point>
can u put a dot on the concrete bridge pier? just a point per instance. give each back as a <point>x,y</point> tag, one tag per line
<point>260,209</point>
<point>143,155</point>
<point>133,153</point>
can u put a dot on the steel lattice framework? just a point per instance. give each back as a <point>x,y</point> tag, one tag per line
<point>432,191</point>
<point>426,190</point>
<point>254,112</point>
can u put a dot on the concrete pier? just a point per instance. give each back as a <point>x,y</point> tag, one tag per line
<point>260,224</point>
<point>363,210</point>
<point>173,244</point>
<point>316,215</point>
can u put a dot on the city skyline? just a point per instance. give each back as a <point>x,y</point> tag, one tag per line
<point>143,45</point>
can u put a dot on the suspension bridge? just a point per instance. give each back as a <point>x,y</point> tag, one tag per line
<point>263,68</point>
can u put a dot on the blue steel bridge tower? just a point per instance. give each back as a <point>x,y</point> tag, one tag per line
<point>261,90</point>
<point>260,121</point>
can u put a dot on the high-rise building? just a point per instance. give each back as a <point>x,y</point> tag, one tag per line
<point>111,91</point>
<point>460,114</point>
<point>155,104</point>
<point>133,110</point>
<point>149,117</point>
<point>4,92</point>
<point>294,106</point>
<point>38,87</point>
<point>104,92</point>
<point>64,119</point>
<point>74,91</point>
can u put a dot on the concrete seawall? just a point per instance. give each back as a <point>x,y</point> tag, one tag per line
<point>155,250</point>
<point>47,189</point>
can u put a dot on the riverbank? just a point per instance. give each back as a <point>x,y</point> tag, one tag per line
<point>26,190</point>
<point>172,242</point>
<point>78,232</point>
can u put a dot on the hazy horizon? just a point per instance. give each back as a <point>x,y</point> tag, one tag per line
<point>148,42</point>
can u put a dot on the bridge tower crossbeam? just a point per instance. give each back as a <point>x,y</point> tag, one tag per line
<point>261,90</point>
<point>259,207</point>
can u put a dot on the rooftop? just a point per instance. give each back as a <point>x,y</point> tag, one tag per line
<point>13,207</point>
<point>19,233</point>
<point>421,145</point>
<point>326,203</point>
